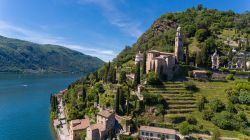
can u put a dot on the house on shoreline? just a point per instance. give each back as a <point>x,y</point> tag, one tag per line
<point>77,126</point>
<point>104,124</point>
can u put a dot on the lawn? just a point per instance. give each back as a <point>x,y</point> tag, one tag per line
<point>212,90</point>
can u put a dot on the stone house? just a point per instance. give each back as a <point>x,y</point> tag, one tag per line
<point>77,126</point>
<point>156,133</point>
<point>161,63</point>
<point>105,123</point>
<point>164,63</point>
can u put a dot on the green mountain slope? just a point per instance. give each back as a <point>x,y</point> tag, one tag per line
<point>193,21</point>
<point>22,56</point>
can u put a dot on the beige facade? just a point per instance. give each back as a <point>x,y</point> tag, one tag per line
<point>105,122</point>
<point>164,63</point>
<point>161,63</point>
<point>156,133</point>
<point>78,126</point>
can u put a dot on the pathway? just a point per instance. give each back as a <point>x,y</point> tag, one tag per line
<point>63,132</point>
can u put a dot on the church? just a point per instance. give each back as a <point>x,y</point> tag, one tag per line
<point>163,63</point>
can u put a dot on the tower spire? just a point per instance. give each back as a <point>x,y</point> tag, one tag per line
<point>178,45</point>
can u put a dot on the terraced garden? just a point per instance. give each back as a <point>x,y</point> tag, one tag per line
<point>180,100</point>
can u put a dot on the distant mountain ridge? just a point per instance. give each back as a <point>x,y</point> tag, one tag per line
<point>23,56</point>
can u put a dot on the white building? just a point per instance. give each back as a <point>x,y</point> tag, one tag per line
<point>157,133</point>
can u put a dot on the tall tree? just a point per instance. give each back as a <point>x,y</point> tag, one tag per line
<point>117,103</point>
<point>144,63</point>
<point>137,75</point>
<point>198,60</point>
<point>114,76</point>
<point>84,93</point>
<point>123,77</point>
<point>187,55</point>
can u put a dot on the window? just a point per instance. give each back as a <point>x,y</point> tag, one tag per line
<point>158,135</point>
<point>142,133</point>
<point>146,133</point>
<point>151,134</point>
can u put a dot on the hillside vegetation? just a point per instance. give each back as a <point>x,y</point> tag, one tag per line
<point>187,105</point>
<point>22,56</point>
<point>202,28</point>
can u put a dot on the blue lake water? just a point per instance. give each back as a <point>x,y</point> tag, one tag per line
<point>24,104</point>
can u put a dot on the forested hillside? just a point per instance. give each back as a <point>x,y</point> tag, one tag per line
<point>22,56</point>
<point>204,30</point>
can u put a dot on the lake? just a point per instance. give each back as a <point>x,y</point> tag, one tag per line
<point>24,104</point>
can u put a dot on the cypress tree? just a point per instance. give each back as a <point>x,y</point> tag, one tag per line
<point>122,101</point>
<point>84,94</point>
<point>123,77</point>
<point>198,60</point>
<point>230,55</point>
<point>114,76</point>
<point>117,100</point>
<point>137,75</point>
<point>144,63</point>
<point>187,55</point>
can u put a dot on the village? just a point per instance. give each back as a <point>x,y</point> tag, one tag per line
<point>109,124</point>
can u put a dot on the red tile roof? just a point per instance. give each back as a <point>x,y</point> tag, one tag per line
<point>98,126</point>
<point>79,124</point>
<point>105,113</point>
<point>158,130</point>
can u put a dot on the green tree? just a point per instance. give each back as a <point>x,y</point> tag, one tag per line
<point>152,78</point>
<point>216,105</point>
<point>201,103</point>
<point>137,75</point>
<point>84,93</point>
<point>198,59</point>
<point>187,55</point>
<point>216,135</point>
<point>117,103</point>
<point>144,63</point>
<point>204,54</point>
<point>201,35</point>
<point>123,77</point>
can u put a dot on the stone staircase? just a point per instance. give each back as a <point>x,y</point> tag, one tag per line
<point>180,100</point>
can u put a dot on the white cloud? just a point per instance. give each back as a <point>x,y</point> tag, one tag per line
<point>14,31</point>
<point>116,17</point>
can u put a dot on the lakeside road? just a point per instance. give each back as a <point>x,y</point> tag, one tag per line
<point>63,132</point>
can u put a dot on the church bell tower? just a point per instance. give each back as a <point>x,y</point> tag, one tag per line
<point>178,45</point>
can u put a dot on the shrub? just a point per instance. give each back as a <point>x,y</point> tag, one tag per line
<point>232,71</point>
<point>201,103</point>
<point>244,97</point>
<point>216,135</point>
<point>190,86</point>
<point>230,77</point>
<point>184,128</point>
<point>153,78</point>
<point>229,121</point>
<point>191,120</point>
<point>177,119</point>
<point>223,69</point>
<point>207,115</point>
<point>216,105</point>
<point>190,74</point>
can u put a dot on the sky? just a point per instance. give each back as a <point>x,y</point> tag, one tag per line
<point>100,28</point>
